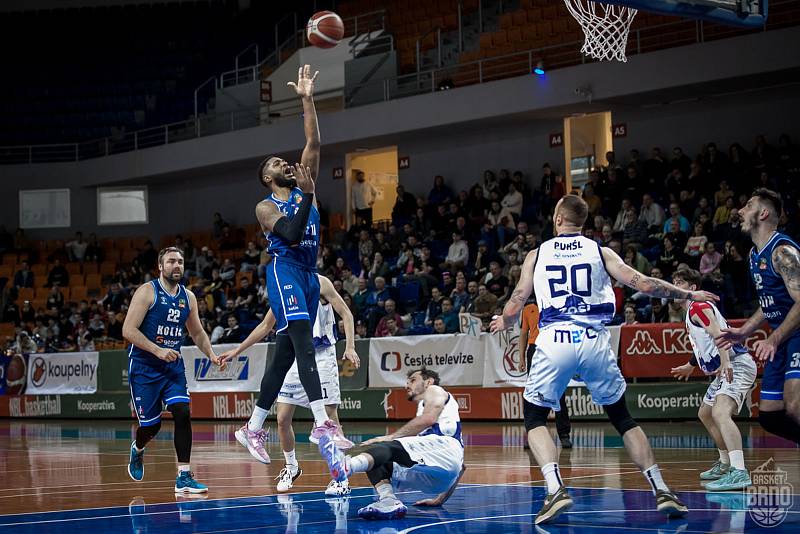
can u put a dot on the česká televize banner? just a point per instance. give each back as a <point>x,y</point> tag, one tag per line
<point>651,350</point>
<point>242,373</point>
<point>63,372</point>
<point>458,358</point>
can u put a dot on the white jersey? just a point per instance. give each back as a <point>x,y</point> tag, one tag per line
<point>448,423</point>
<point>324,326</point>
<point>571,283</point>
<point>705,350</point>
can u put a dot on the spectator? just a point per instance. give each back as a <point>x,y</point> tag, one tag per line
<point>27,313</point>
<point>711,260</point>
<point>651,213</point>
<point>675,312</point>
<point>703,208</point>
<point>450,316</point>
<point>11,312</point>
<point>393,328</point>
<point>460,295</point>
<point>24,276</point>
<point>217,225</point>
<point>440,193</point>
<point>723,212</point>
<point>675,215</point>
<point>495,281</point>
<point>55,300</point>
<point>365,245</point>
<point>21,241</point>
<point>233,333</point>
<point>722,194</point>
<point>630,315</point>
<point>146,260</point>
<point>434,308</point>
<point>361,296</point>
<point>379,267</point>
<point>246,296</point>
<point>115,298</point>
<point>390,309</point>
<point>114,325</point>
<point>361,330</point>
<point>349,281</point>
<point>483,305</point>
<point>730,230</point>
<point>438,326</point>
<point>592,200</point>
<point>76,249</point>
<point>513,201</point>
<point>94,252</point>
<point>635,259</point>
<point>83,338</point>
<point>97,327</point>
<point>657,312</point>
<point>227,272</point>
<point>678,237</point>
<point>635,229</point>
<point>619,222</point>
<point>230,239</point>
<point>363,198</point>
<point>696,244</point>
<point>206,263</point>
<point>476,206</point>
<point>250,259</point>
<point>457,254</point>
<point>58,275</point>
<point>405,206</point>
<point>680,161</point>
<point>489,184</point>
<point>670,257</point>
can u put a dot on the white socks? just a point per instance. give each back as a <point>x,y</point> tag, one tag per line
<point>552,477</point>
<point>184,468</point>
<point>723,457</point>
<point>653,476</point>
<point>291,460</point>
<point>737,459</point>
<point>256,421</point>
<point>318,409</point>
<point>385,491</point>
<point>358,464</point>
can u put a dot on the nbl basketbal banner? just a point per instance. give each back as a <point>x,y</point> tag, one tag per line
<point>64,372</point>
<point>651,350</point>
<point>458,358</point>
<point>242,373</point>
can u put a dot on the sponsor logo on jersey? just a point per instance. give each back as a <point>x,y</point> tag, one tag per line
<point>291,300</point>
<point>762,264</point>
<point>181,303</point>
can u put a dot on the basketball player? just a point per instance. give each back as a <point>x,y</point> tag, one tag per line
<point>426,454</point>
<point>528,331</point>
<point>292,393</point>
<point>290,221</point>
<point>570,277</point>
<point>154,326</point>
<point>775,268</point>
<point>735,374</point>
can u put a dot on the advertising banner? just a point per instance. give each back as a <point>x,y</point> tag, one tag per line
<point>503,367</point>
<point>13,373</point>
<point>65,372</point>
<point>458,358</point>
<point>100,405</point>
<point>243,373</point>
<point>469,324</point>
<point>350,378</point>
<point>645,401</point>
<point>112,375</point>
<point>651,350</point>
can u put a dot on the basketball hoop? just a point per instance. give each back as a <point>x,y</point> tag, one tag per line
<point>605,26</point>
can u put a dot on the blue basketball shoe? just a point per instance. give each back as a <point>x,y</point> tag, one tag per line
<point>185,483</point>
<point>136,464</point>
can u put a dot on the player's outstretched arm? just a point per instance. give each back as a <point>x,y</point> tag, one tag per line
<point>328,292</point>
<point>647,285</point>
<point>198,333</point>
<point>140,303</point>
<point>440,499</point>
<point>731,335</point>
<point>305,90</point>
<point>518,298</point>
<point>258,334</point>
<point>435,398</point>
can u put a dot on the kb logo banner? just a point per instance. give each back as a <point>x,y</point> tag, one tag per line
<point>242,373</point>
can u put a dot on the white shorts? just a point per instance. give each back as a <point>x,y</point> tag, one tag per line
<point>439,460</point>
<point>563,351</point>
<point>292,391</point>
<point>744,378</point>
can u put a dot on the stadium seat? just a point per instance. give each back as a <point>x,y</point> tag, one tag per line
<point>10,258</point>
<point>78,293</point>
<point>93,281</point>
<point>90,268</point>
<point>6,271</point>
<point>26,293</point>
<point>73,267</point>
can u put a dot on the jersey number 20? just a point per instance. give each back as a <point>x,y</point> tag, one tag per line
<point>580,280</point>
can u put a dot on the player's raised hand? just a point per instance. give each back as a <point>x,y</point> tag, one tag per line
<point>726,371</point>
<point>226,356</point>
<point>352,356</point>
<point>168,355</point>
<point>729,337</point>
<point>704,296</point>
<point>682,372</point>
<point>305,181</point>
<point>305,82</point>
<point>219,362</point>
<point>765,349</point>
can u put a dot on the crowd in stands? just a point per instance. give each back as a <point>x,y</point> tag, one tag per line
<point>444,251</point>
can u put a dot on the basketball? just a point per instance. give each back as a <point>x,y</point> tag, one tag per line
<point>325,29</point>
<point>16,375</point>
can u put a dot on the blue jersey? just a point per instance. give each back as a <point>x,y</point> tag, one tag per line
<point>164,322</point>
<point>773,296</point>
<point>304,254</point>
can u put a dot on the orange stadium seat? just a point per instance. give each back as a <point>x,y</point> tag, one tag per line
<point>10,258</point>
<point>26,293</point>
<point>78,293</point>
<point>122,243</point>
<point>39,269</point>
<point>112,255</point>
<point>73,267</point>
<point>90,268</point>
<point>506,21</point>
<point>76,279</point>
<point>6,271</point>
<point>520,18</point>
<point>93,281</point>
<point>108,268</point>
<point>7,330</point>
<point>499,38</point>
<point>128,255</point>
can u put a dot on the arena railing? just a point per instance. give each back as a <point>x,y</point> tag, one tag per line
<point>641,40</point>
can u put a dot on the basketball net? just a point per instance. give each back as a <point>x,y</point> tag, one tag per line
<point>605,26</point>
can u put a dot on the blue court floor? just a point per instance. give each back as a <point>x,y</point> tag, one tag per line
<point>473,508</point>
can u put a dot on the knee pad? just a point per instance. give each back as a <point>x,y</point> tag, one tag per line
<point>535,416</point>
<point>772,421</point>
<point>180,412</point>
<point>620,417</point>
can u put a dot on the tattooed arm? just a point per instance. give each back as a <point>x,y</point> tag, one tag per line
<point>786,261</point>
<point>517,299</point>
<point>648,285</point>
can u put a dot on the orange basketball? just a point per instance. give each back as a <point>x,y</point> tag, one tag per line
<point>325,29</point>
<point>16,375</point>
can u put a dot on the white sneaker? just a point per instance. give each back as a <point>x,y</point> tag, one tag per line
<point>338,489</point>
<point>287,477</point>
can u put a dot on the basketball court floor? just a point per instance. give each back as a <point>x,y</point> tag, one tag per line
<point>70,477</point>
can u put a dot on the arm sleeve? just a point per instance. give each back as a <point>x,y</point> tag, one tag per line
<point>293,229</point>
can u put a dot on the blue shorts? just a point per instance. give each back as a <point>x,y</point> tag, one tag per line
<point>293,292</point>
<point>784,366</point>
<point>153,385</point>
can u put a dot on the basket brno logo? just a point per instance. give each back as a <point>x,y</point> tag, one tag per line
<point>770,495</point>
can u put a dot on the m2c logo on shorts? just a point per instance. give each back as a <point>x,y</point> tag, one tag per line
<point>390,361</point>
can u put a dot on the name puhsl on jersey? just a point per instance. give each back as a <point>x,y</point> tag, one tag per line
<point>773,296</point>
<point>448,423</point>
<point>304,253</point>
<point>703,345</point>
<point>164,323</point>
<point>572,286</point>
